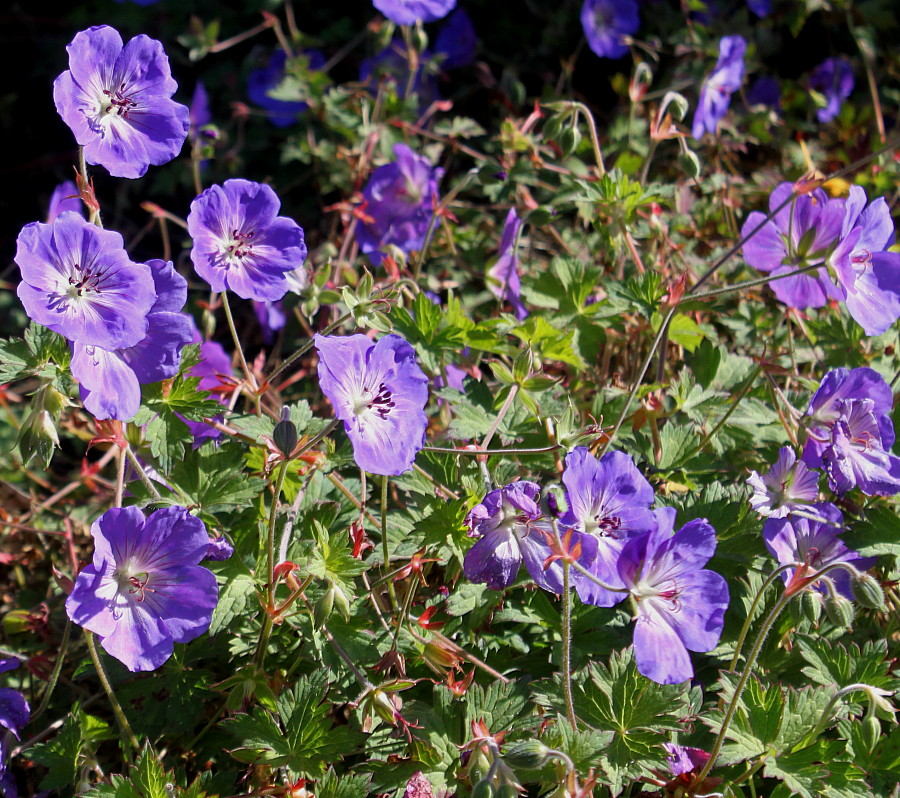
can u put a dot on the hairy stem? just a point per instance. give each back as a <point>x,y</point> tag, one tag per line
<point>110,694</point>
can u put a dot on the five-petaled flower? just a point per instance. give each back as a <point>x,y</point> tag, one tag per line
<point>607,24</point>
<point>78,281</point>
<point>379,392</point>
<point>117,100</point>
<point>241,244</point>
<point>680,605</point>
<point>144,590</point>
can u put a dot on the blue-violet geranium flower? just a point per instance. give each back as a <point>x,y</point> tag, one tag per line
<point>110,380</point>
<point>117,100</point>
<point>78,281</point>
<point>379,391</point>
<point>241,244</point>
<point>609,500</point>
<point>409,12</point>
<point>144,591</point>
<point>722,82</point>
<point>606,24</point>
<point>680,605</point>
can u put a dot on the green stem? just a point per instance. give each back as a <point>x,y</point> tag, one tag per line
<point>739,688</point>
<point>148,483</point>
<point>567,646</point>
<point>270,531</point>
<point>251,383</point>
<point>307,346</point>
<point>57,669</point>
<point>107,686</point>
<point>385,551</point>
<point>745,629</point>
<point>120,478</point>
<point>480,452</point>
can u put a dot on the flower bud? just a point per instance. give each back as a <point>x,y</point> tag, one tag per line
<point>478,766</point>
<point>341,602</point>
<point>285,434</point>
<point>870,731</point>
<point>324,607</point>
<point>484,789</point>
<point>868,592</point>
<point>507,791</point>
<point>839,610</point>
<point>527,755</point>
<point>811,605</point>
<point>569,140</point>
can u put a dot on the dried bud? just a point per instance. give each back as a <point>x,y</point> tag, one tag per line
<point>868,591</point>
<point>527,755</point>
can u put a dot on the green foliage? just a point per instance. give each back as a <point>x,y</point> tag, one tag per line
<point>299,737</point>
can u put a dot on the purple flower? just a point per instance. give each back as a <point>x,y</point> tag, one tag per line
<point>683,759</point>
<point>606,25</point>
<point>110,380</point>
<point>117,102</point>
<point>78,281</point>
<point>400,198</point>
<point>804,233</point>
<point>14,715</point>
<point>856,456</point>
<point>511,527</point>
<point>788,487</point>
<point>262,82</point>
<point>144,591</point>
<point>409,12</point>
<point>723,81</point>
<point>814,544</point>
<point>680,606</point>
<point>241,244</point>
<point>379,392</point>
<point>762,8</point>
<point>833,78</point>
<point>456,40</point>
<point>219,549</point>
<point>868,275</point>
<point>609,500</point>
<point>65,197</point>
<point>503,277</point>
<point>827,406</point>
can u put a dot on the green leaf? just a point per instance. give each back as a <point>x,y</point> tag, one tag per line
<point>237,591</point>
<point>308,743</point>
<point>16,360</point>
<point>149,778</point>
<point>61,755</point>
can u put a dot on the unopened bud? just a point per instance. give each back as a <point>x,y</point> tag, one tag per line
<point>811,605</point>
<point>507,790</point>
<point>341,602</point>
<point>839,610</point>
<point>478,766</point>
<point>868,591</point>
<point>384,707</point>
<point>569,140</point>
<point>285,434</point>
<point>527,755</point>
<point>323,609</point>
<point>484,789</point>
<point>870,728</point>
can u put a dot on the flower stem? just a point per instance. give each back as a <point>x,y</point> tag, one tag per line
<point>385,552</point>
<point>739,687</point>
<point>742,637</point>
<point>237,344</point>
<point>270,536</point>
<point>57,669</point>
<point>107,686</point>
<point>148,483</point>
<point>480,452</point>
<point>120,478</point>
<point>567,646</point>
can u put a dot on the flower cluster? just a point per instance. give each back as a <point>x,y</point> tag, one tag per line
<point>619,547</point>
<point>846,238</point>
